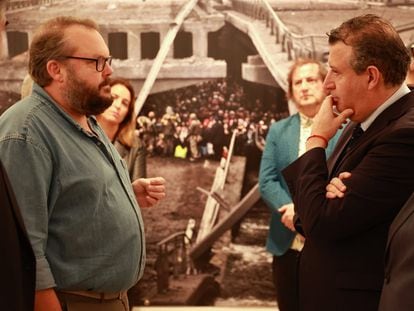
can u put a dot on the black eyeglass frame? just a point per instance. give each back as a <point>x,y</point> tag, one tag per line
<point>100,60</point>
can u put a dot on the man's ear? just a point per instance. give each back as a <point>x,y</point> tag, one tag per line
<point>374,76</point>
<point>54,68</point>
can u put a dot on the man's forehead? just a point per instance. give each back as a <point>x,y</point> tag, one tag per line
<point>84,39</point>
<point>306,70</point>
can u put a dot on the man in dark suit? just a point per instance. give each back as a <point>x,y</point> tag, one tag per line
<point>399,258</point>
<point>341,266</point>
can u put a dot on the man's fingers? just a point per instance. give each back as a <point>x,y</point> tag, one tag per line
<point>157,181</point>
<point>282,210</point>
<point>287,221</point>
<point>338,184</point>
<point>334,190</point>
<point>344,115</point>
<point>156,195</point>
<point>152,188</point>
<point>344,175</point>
<point>330,195</point>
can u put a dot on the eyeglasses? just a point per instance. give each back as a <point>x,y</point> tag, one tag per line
<point>100,61</point>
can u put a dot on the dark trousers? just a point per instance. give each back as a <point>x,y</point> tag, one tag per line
<point>285,279</point>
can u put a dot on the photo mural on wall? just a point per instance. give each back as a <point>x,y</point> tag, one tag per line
<point>210,78</point>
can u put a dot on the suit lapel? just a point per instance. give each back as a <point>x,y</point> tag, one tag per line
<point>293,137</point>
<point>395,111</point>
<point>339,148</point>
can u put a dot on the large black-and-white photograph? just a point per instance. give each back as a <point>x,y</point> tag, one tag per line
<point>211,99</point>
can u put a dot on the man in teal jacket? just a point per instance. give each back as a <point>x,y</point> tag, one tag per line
<point>285,142</point>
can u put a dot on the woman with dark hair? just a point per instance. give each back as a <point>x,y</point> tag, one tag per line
<point>119,124</point>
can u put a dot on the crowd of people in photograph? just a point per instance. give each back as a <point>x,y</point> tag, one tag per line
<point>197,122</point>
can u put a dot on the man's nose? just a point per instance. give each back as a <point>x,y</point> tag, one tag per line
<point>328,83</point>
<point>107,70</point>
<point>304,85</point>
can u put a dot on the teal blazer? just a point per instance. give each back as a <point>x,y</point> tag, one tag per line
<point>281,149</point>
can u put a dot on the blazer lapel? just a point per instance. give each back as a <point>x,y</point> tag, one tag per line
<point>395,111</point>
<point>339,148</point>
<point>293,137</point>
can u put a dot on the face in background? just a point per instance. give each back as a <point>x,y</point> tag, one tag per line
<point>86,90</point>
<point>347,88</point>
<point>307,89</point>
<point>117,112</point>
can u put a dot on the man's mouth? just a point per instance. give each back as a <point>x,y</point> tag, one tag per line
<point>306,97</point>
<point>106,88</point>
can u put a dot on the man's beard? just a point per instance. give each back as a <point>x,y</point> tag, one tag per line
<point>85,99</point>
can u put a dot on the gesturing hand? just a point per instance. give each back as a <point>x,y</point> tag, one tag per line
<point>149,191</point>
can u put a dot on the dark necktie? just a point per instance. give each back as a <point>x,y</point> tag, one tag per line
<point>356,134</point>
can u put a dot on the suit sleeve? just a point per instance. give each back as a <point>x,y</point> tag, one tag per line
<point>381,181</point>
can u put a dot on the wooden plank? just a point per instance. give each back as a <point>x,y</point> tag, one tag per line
<point>237,212</point>
<point>212,207</point>
<point>162,54</point>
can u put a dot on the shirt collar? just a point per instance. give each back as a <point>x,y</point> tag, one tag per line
<point>305,121</point>
<point>403,90</point>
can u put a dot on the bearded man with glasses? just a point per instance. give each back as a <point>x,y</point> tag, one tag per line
<point>81,213</point>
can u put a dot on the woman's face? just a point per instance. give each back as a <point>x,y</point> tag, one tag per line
<point>117,112</point>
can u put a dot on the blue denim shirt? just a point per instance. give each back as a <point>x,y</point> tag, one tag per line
<point>75,196</point>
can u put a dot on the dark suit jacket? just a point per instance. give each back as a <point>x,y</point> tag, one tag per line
<point>398,290</point>
<point>341,266</point>
<point>17,261</point>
